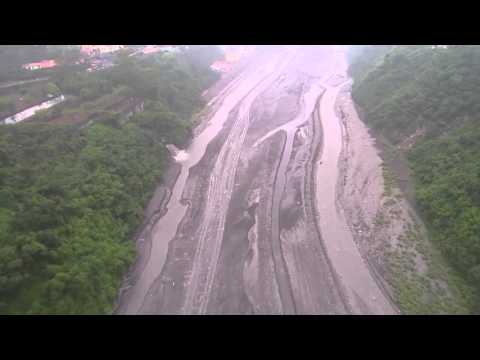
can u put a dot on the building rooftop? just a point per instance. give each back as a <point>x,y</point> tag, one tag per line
<point>40,65</point>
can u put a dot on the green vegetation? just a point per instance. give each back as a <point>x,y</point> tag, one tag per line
<point>16,99</point>
<point>363,59</point>
<point>71,197</point>
<point>417,87</point>
<point>448,193</point>
<point>12,57</point>
<point>432,94</point>
<point>431,289</point>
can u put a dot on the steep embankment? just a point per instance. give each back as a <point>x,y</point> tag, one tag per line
<point>422,102</point>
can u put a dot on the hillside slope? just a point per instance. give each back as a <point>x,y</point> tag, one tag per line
<point>71,195</point>
<point>425,102</point>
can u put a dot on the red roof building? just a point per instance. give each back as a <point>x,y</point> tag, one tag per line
<point>45,64</point>
<point>221,66</point>
<point>233,54</point>
<point>149,49</point>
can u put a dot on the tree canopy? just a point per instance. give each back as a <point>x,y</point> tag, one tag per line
<point>71,197</point>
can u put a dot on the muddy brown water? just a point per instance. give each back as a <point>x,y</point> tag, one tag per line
<point>357,284</point>
<point>341,248</point>
<point>308,100</point>
<point>166,228</point>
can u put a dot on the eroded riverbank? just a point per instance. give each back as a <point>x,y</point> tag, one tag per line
<point>388,232</point>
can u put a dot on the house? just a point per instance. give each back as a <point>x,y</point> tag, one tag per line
<point>221,66</point>
<point>150,49</point>
<point>440,47</point>
<point>232,55</point>
<point>92,50</point>
<point>45,64</point>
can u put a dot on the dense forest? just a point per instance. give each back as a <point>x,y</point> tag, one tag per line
<point>417,87</point>
<point>71,196</point>
<point>430,96</point>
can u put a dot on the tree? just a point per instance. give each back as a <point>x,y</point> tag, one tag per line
<point>52,89</point>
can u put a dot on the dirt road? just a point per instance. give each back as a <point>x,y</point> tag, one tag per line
<point>251,224</point>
